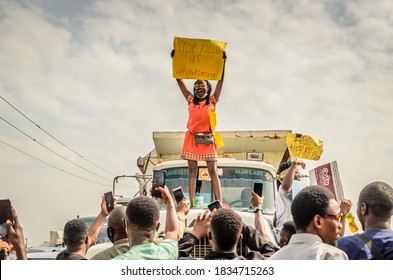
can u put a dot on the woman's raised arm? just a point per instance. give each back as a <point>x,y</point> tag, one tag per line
<point>217,92</point>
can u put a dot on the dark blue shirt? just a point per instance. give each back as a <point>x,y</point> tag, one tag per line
<point>356,249</point>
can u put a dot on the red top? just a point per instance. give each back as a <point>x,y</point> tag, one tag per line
<point>198,121</point>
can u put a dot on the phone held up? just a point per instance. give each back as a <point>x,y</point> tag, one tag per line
<point>178,194</point>
<point>258,188</point>
<point>216,204</point>
<point>5,214</point>
<point>159,177</point>
<point>109,201</point>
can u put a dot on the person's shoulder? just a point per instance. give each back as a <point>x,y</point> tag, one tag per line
<point>171,242</point>
<point>213,100</point>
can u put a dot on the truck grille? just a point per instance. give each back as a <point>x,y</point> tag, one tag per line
<point>203,247</point>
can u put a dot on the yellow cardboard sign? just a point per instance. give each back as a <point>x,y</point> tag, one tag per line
<point>197,59</point>
<point>217,136</point>
<point>306,147</point>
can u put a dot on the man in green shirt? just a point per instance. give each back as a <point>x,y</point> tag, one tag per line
<point>141,224</point>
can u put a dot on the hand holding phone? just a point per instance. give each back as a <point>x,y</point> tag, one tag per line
<point>159,177</point>
<point>5,214</point>
<point>109,201</point>
<point>178,194</point>
<point>258,188</point>
<point>216,204</point>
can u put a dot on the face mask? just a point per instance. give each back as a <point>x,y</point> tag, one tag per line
<point>201,97</point>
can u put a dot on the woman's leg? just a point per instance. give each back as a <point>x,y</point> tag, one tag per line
<point>192,175</point>
<point>212,168</point>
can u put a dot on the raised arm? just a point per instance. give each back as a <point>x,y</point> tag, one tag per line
<point>16,237</point>
<point>94,229</point>
<point>286,185</point>
<point>217,92</point>
<point>171,222</point>
<point>257,204</point>
<point>345,207</point>
<point>186,93</point>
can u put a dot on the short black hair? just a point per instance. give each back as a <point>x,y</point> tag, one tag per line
<point>226,226</point>
<point>378,196</point>
<point>143,212</point>
<point>289,228</point>
<point>75,232</point>
<point>310,201</point>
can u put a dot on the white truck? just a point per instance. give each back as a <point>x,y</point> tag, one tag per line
<point>247,157</point>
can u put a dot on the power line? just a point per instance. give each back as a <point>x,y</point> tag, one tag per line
<point>55,137</point>
<point>60,142</point>
<point>38,142</point>
<point>69,173</point>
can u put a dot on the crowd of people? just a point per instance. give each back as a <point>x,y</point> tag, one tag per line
<point>313,231</point>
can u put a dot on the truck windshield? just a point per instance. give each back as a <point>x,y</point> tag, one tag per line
<point>236,184</point>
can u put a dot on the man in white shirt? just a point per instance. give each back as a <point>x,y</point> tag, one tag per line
<point>317,218</point>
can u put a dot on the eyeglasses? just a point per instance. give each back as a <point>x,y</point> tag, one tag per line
<point>336,217</point>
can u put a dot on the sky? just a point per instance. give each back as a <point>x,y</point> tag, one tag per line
<point>97,76</point>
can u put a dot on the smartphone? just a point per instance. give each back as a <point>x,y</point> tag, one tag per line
<point>3,254</point>
<point>178,193</point>
<point>5,214</point>
<point>216,204</point>
<point>258,188</point>
<point>109,201</point>
<point>159,177</point>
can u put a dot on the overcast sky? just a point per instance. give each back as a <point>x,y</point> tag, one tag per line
<point>97,76</point>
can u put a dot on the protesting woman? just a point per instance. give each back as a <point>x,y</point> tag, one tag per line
<point>199,142</point>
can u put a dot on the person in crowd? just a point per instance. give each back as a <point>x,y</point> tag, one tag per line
<point>284,196</point>
<point>288,229</point>
<point>374,210</point>
<point>78,238</point>
<point>15,236</point>
<point>116,234</point>
<point>224,229</point>
<point>201,101</point>
<point>317,217</point>
<point>141,224</point>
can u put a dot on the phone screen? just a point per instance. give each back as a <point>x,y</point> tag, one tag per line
<point>158,181</point>
<point>5,214</point>
<point>258,188</point>
<point>216,204</point>
<point>109,201</point>
<point>5,210</point>
<point>178,193</point>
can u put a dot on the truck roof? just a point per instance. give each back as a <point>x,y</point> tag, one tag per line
<point>272,143</point>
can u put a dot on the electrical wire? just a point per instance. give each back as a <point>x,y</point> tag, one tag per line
<point>60,142</point>
<point>38,142</point>
<point>51,165</point>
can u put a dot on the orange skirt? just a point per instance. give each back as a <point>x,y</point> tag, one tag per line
<point>191,151</point>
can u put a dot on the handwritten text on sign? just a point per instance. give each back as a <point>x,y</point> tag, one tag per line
<point>198,59</point>
<point>304,146</point>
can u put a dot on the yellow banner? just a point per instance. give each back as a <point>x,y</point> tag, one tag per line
<point>217,136</point>
<point>304,146</point>
<point>197,59</point>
